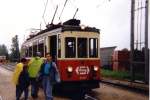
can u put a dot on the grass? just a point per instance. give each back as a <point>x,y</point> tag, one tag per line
<point>115,74</point>
<point>120,74</point>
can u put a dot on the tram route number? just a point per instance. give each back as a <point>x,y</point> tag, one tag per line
<point>82,70</point>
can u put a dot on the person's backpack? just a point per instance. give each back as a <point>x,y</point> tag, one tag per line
<point>54,74</point>
<point>24,78</point>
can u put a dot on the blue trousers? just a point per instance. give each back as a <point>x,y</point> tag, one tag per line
<point>34,87</point>
<point>47,87</point>
<point>19,91</point>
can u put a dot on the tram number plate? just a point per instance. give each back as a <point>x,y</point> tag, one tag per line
<point>82,70</point>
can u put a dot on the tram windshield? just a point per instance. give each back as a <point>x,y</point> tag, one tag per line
<point>82,47</point>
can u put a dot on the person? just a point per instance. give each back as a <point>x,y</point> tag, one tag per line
<point>34,68</point>
<point>21,79</point>
<point>50,76</point>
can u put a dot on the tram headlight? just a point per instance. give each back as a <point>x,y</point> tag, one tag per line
<point>95,68</point>
<point>69,69</point>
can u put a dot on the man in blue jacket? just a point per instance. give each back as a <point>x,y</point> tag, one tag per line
<point>50,75</point>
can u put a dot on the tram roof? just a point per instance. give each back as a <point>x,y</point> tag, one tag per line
<point>70,25</point>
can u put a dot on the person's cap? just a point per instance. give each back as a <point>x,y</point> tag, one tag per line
<point>38,54</point>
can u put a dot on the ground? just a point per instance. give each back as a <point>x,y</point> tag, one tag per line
<point>105,92</point>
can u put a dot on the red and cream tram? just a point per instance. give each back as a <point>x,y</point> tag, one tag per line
<point>75,50</point>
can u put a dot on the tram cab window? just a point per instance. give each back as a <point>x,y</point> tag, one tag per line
<point>70,47</point>
<point>82,47</point>
<point>93,47</point>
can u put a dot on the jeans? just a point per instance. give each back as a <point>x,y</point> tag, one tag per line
<point>19,91</point>
<point>34,87</point>
<point>47,87</point>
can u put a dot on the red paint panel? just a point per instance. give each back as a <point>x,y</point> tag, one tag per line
<point>77,65</point>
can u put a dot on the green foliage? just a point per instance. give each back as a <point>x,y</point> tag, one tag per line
<point>120,74</point>
<point>115,74</point>
<point>15,54</point>
<point>4,51</point>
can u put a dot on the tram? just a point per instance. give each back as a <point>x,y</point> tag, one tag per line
<point>74,48</point>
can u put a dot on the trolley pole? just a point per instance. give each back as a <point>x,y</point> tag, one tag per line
<point>146,43</point>
<point>132,39</point>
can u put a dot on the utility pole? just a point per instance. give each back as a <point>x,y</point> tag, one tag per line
<point>132,39</point>
<point>146,43</point>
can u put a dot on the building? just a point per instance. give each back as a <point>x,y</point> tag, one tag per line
<point>120,60</point>
<point>106,56</point>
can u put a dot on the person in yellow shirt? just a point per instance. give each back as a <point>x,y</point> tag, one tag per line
<point>21,79</point>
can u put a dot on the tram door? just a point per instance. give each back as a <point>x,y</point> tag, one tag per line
<point>53,46</point>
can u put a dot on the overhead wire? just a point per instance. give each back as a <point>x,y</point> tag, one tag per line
<point>63,9</point>
<point>45,6</point>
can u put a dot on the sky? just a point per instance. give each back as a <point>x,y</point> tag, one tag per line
<point>112,17</point>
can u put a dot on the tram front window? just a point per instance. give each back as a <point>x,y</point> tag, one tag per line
<point>82,47</point>
<point>70,47</point>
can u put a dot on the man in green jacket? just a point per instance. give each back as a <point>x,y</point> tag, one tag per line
<point>34,68</point>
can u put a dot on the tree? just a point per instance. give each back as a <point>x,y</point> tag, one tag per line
<point>4,51</point>
<point>15,54</point>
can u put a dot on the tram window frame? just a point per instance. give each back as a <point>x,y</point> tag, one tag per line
<point>82,47</point>
<point>93,53</point>
<point>68,52</point>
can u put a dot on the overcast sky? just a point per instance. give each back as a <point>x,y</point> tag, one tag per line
<point>112,17</point>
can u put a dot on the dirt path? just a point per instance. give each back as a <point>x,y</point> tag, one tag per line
<point>7,89</point>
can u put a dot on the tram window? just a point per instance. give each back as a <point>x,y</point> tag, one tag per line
<point>70,47</point>
<point>34,50</point>
<point>30,51</point>
<point>26,52</point>
<point>93,47</point>
<point>59,46</point>
<point>41,49</point>
<point>82,47</point>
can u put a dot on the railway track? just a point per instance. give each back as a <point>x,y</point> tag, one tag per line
<point>88,97</point>
<point>9,66</point>
<point>135,87</point>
